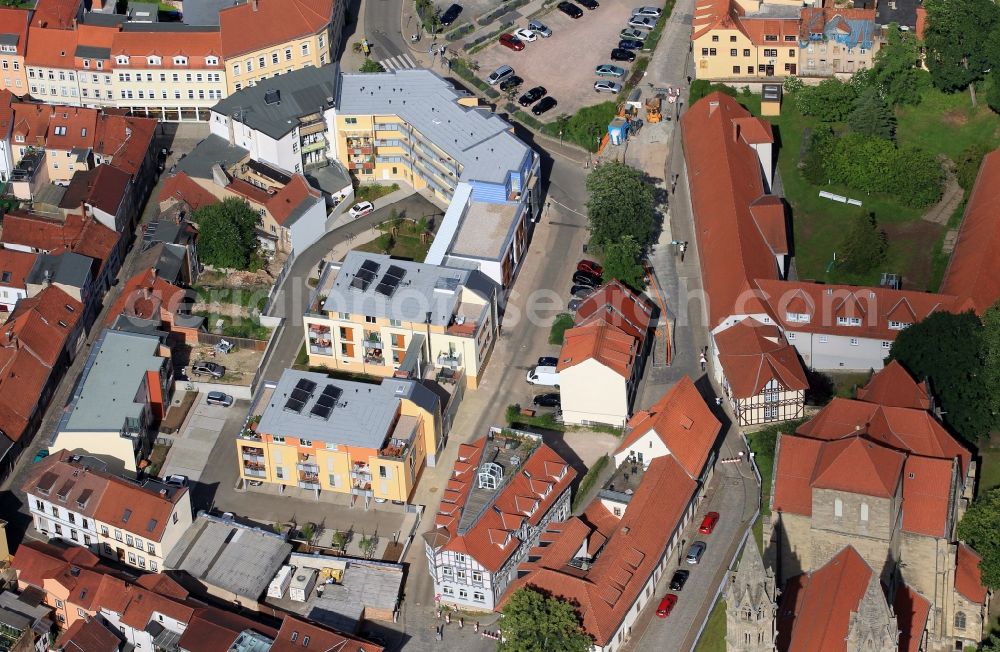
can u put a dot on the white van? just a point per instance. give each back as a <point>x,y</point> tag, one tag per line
<point>500,74</point>
<point>543,376</point>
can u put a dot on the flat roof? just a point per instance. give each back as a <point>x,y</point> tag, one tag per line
<point>213,149</point>
<point>107,391</point>
<point>485,230</point>
<point>204,12</point>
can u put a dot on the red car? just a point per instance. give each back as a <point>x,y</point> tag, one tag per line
<point>666,605</point>
<point>590,267</point>
<point>512,42</point>
<point>708,523</point>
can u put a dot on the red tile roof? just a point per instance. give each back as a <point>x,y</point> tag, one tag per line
<point>912,610</point>
<point>526,497</point>
<point>725,179</point>
<point>104,187</point>
<point>14,267</point>
<point>42,323</point>
<point>146,296</point>
<point>137,509</point>
<point>894,386</point>
<point>195,46</point>
<point>75,569</point>
<point>261,24</point>
<point>796,459</point>
<point>683,421</point>
<point>85,236</point>
<point>83,489</point>
<point>716,14</point>
<point>89,635</point>
<point>125,139</point>
<point>293,632</point>
<point>56,14</point>
<point>974,269</point>
<point>759,29</point>
<point>968,577</point>
<point>752,354</point>
<point>607,591</point>
<point>181,187</point>
<point>619,306</point>
<point>51,48</point>
<point>601,342</point>
<point>289,197</point>
<point>769,214</point>
<point>858,466</point>
<point>15,21</point>
<point>928,484</point>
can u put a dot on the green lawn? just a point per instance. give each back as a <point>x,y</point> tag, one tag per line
<point>372,191</point>
<point>562,323</point>
<point>402,239</point>
<point>989,472</point>
<point>947,123</point>
<point>713,638</point>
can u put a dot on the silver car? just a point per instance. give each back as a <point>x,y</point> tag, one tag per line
<point>695,552</point>
<point>642,22</point>
<point>653,12</point>
<point>540,28</point>
<point>607,86</point>
<point>635,34</point>
<point>218,398</point>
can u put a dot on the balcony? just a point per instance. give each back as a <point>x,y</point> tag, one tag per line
<point>320,341</point>
<point>254,471</point>
<point>255,455</point>
<point>373,340</point>
<point>361,472</point>
<point>313,145</point>
<point>362,489</point>
<point>375,360</point>
<point>451,360</point>
<point>307,464</point>
<point>401,441</point>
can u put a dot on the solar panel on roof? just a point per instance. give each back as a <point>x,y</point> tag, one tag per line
<point>330,390</point>
<point>359,283</point>
<point>328,401</point>
<point>306,384</point>
<point>293,405</point>
<point>370,265</point>
<point>320,411</point>
<point>396,272</point>
<point>385,289</point>
<point>300,395</point>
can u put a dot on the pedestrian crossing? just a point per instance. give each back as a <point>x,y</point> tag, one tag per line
<point>402,62</point>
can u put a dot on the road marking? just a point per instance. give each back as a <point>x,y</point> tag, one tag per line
<point>402,62</point>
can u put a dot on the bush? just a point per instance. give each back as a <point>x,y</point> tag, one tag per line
<point>831,101</point>
<point>462,68</point>
<point>702,87</point>
<point>912,176</point>
<point>588,481</point>
<point>813,165</point>
<point>563,322</point>
<point>459,32</point>
<point>585,127</point>
<point>968,163</point>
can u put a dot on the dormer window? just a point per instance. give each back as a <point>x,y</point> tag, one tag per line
<point>848,321</point>
<point>898,325</point>
<point>211,61</point>
<point>153,60</point>
<point>801,317</point>
<point>180,61</point>
<point>19,138</point>
<point>60,131</point>
<point>121,60</point>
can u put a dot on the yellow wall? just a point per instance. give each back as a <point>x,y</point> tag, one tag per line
<point>111,444</point>
<point>14,77</point>
<point>183,87</point>
<point>245,70</point>
<point>714,56</point>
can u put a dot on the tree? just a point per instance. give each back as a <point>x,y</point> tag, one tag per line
<point>993,90</point>
<point>947,349</point>
<point>621,262</point>
<point>535,622</point>
<point>991,358</point>
<point>813,165</point>
<point>991,644</point>
<point>978,528</point>
<point>620,204</point>
<point>371,65</point>
<point>227,234</point>
<point>830,101</point>
<point>864,246</point>
<point>958,38</point>
<point>895,72</point>
<point>968,163</point>
<point>872,115</point>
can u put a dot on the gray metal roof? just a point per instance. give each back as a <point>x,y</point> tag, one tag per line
<point>167,27</point>
<point>230,556</point>
<point>103,19</point>
<point>168,259</point>
<point>67,268</point>
<point>362,416</point>
<point>8,39</point>
<point>480,141</point>
<point>424,288</point>
<point>330,178</point>
<point>92,52</point>
<point>204,12</point>
<point>300,93</point>
<point>213,149</point>
<point>117,365</point>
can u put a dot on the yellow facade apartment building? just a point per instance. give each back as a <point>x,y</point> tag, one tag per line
<point>308,432</point>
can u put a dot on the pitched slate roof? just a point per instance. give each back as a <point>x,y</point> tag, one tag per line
<point>752,354</point>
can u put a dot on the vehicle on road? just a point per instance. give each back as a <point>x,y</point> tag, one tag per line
<point>590,267</point>
<point>570,9</point>
<point>666,605</point>
<point>642,22</point>
<point>548,361</point>
<point>361,209</point>
<point>543,376</point>
<point>630,44</point>
<point>176,480</point>
<point>255,483</point>
<point>633,33</point>
<point>40,455</point>
<point>546,104</point>
<point>512,42</point>
<point>586,278</point>
<point>653,12</point>
<point>532,95</point>
<point>695,552</point>
<point>546,400</point>
<point>510,82</point>
<point>605,86</point>
<point>589,4</point>
<point>581,291</point>
<point>450,14</point>
<point>500,74</point>
<point>679,579</point>
<point>607,70</point>
<point>619,54</point>
<point>526,35</point>
<point>218,398</point>
<point>212,369</point>
<point>540,28</point>
<point>708,523</point>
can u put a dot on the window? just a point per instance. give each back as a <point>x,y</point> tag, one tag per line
<point>864,512</point>
<point>447,590</point>
<point>382,472</point>
<point>279,473</point>
<point>121,60</point>
<point>118,535</point>
<point>305,49</point>
<point>770,37</point>
<point>618,512</point>
<point>59,603</point>
<point>886,344</point>
<point>142,561</point>
<point>854,341</point>
<point>460,558</point>
<point>838,508</point>
<point>60,131</point>
<point>173,518</point>
<point>369,319</point>
<point>768,52</point>
<point>960,620</point>
<point>478,596</point>
<point>104,530</point>
<point>131,558</point>
<point>395,322</point>
<point>343,315</point>
<point>770,412</point>
<point>153,566</point>
<point>72,517</point>
<point>211,61</point>
<point>823,339</point>
<point>129,540</point>
<point>460,574</point>
<point>802,317</point>
<point>261,62</point>
<point>898,325</point>
<point>153,60</point>
<point>180,61</point>
<point>39,505</point>
<point>790,336</point>
<point>791,53</point>
<point>711,52</point>
<point>150,548</point>
<point>274,58</point>
<point>448,572</point>
<point>732,53</point>
<point>249,65</point>
<point>462,593</point>
<point>477,576</point>
<point>72,535</point>
<point>715,38</point>
<point>351,121</point>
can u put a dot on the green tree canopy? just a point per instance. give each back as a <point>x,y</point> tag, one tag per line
<point>621,262</point>
<point>227,233</point>
<point>947,349</point>
<point>979,528</point>
<point>620,204</point>
<point>991,357</point>
<point>535,622</point>
<point>872,115</point>
<point>967,165</point>
<point>895,72</point>
<point>864,246</point>
<point>991,644</point>
<point>370,65</point>
<point>830,101</point>
<point>993,90</point>
<point>960,40</point>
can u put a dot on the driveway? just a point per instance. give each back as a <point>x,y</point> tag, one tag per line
<point>564,63</point>
<point>190,452</point>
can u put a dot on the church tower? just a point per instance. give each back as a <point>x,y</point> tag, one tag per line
<point>873,626</point>
<point>751,609</point>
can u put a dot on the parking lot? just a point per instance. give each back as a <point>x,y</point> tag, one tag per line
<point>564,63</point>
<point>191,449</point>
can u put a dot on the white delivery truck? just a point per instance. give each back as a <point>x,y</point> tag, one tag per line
<point>543,376</point>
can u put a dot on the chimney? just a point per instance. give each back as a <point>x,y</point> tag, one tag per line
<point>253,3</point>
<point>152,273</point>
<point>232,131</point>
<point>712,106</point>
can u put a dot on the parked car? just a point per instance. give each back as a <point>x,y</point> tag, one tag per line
<point>540,28</point>
<point>212,369</point>
<point>574,304</point>
<point>589,4</point>
<point>569,9</point>
<point>526,35</point>
<point>218,398</point>
<point>361,209</point>
<point>512,42</point>
<point>605,86</point>
<point>450,14</point>
<point>548,361</point>
<point>653,12</point>
<point>511,82</point>
<point>679,579</point>
<point>695,552</point>
<point>546,104</point>
<point>586,278</point>
<point>708,523</point>
<point>499,75</point>
<point>666,605</point>
<point>176,480</point>
<point>619,54</point>
<point>40,455</point>
<point>633,33</point>
<point>543,376</point>
<point>546,400</point>
<point>630,44</point>
<point>581,291</point>
<point>590,267</point>
<point>642,22</point>
<point>255,483</point>
<point>607,70</point>
<point>532,95</point>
